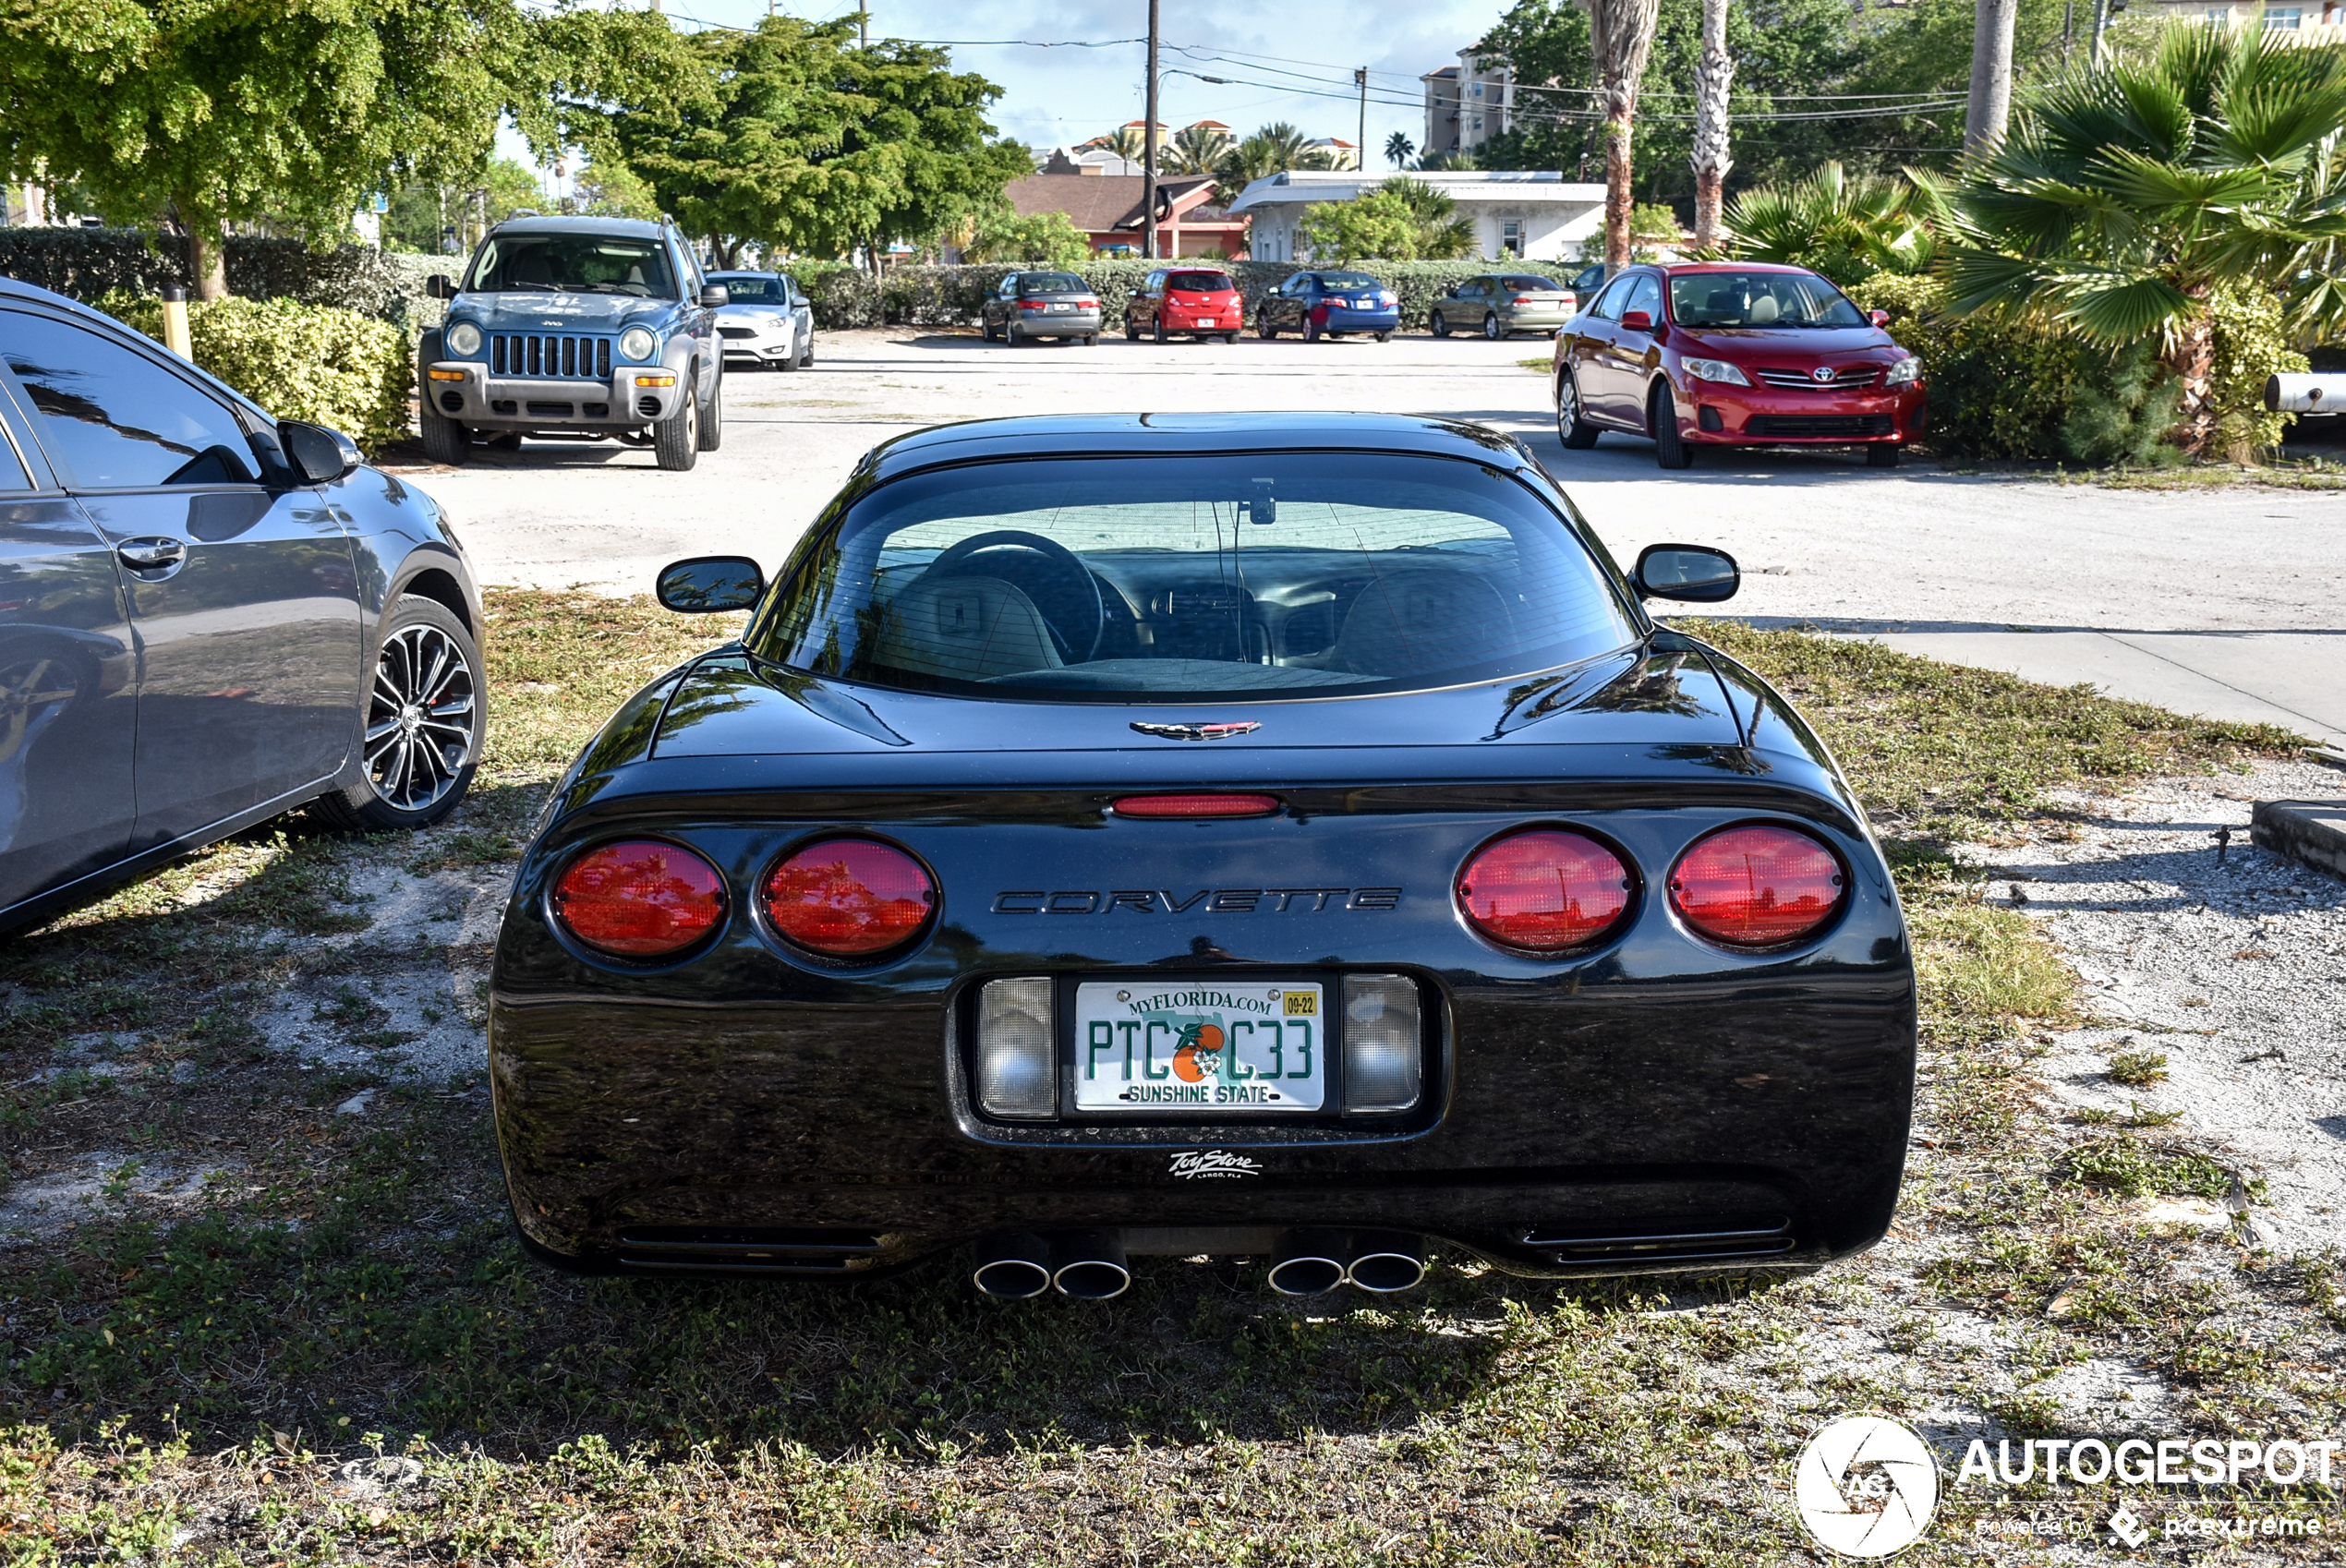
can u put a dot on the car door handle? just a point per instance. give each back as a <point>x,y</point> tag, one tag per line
<point>152,554</point>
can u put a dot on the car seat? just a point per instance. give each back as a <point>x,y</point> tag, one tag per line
<point>1764,311</point>
<point>1409,622</point>
<point>533,266</point>
<point>965,628</point>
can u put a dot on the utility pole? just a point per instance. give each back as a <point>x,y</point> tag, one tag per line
<point>1361,80</point>
<point>864,28</point>
<point>1148,150</point>
<point>2103,11</point>
<point>1991,105</point>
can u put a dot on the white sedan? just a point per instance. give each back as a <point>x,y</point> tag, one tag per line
<point>768,321</point>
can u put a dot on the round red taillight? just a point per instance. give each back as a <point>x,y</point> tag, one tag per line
<point>1756,887</point>
<point>640,898</point>
<point>849,897</point>
<point>1544,891</point>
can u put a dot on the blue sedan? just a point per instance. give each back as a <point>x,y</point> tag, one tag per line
<point>1331,303</point>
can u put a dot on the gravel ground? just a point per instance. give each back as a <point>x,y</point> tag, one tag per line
<point>2229,960</point>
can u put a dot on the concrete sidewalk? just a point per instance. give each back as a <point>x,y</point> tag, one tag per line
<point>2294,679</point>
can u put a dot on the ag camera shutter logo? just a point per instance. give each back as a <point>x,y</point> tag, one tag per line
<point>1866,1486</point>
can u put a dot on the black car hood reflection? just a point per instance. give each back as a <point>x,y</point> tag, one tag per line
<point>731,706</point>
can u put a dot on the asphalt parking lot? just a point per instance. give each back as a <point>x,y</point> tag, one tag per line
<point>2216,603</point>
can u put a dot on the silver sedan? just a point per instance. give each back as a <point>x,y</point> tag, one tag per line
<point>768,321</point>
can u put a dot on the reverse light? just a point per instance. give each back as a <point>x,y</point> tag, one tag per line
<point>464,338</point>
<point>1017,1050</point>
<point>1544,891</point>
<point>1906,371</point>
<point>1196,806</point>
<point>1717,371</point>
<point>640,898</point>
<point>1756,887</point>
<point>1384,1061</point>
<point>849,897</point>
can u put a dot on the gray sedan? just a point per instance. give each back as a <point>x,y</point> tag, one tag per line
<point>767,320</point>
<point>1027,305</point>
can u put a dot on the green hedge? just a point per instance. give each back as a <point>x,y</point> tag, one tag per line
<point>2022,389</point>
<point>320,363</point>
<point>89,264</point>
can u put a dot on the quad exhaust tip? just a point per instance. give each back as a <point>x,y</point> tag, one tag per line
<point>1091,1265</point>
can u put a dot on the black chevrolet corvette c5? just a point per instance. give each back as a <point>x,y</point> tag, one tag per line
<point>1276,835</point>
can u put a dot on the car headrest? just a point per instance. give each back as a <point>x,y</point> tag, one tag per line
<point>1765,309</point>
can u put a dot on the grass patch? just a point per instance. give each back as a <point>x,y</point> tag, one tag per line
<point>2138,1069</point>
<point>348,1287</point>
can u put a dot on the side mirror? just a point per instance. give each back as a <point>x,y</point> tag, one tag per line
<point>1636,321</point>
<point>1693,572</point>
<point>1879,317</point>
<point>714,294</point>
<point>440,285</point>
<point>707,584</point>
<point>316,454</point>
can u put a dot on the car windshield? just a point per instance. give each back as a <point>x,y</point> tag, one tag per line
<point>557,264</point>
<point>1127,579</point>
<point>1759,299</point>
<point>751,289</point>
<point>1052,283</point>
<point>1199,282</point>
<point>1348,281</point>
<point>1526,285</point>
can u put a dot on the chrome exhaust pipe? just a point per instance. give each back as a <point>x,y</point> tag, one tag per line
<point>1013,1267</point>
<point>1386,1262</point>
<point>1090,1266</point>
<point>1307,1262</point>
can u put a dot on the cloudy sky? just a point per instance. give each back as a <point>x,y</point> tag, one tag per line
<point>1278,62</point>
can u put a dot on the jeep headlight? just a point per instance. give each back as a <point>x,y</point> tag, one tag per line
<point>1906,371</point>
<point>463,338</point>
<point>636,343</point>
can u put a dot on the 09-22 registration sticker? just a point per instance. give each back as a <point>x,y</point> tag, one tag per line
<point>1207,1045</point>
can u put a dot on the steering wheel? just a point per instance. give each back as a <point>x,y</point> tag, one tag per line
<point>1083,590</point>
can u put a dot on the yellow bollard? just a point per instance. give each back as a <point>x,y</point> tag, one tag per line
<point>174,323</point>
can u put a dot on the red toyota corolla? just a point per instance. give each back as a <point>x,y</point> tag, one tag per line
<point>1734,354</point>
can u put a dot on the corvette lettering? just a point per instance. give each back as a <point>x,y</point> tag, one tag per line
<point>1220,900</point>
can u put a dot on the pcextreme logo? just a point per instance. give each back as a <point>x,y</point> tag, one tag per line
<point>1866,1486</point>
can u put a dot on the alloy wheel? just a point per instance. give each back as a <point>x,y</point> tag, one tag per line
<point>419,717</point>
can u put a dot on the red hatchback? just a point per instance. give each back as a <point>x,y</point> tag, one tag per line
<point>1200,302</point>
<point>1734,354</point>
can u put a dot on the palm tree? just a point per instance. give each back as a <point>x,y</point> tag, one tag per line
<point>2125,194</point>
<point>1846,228</point>
<point>1442,234</point>
<point>1126,142</point>
<point>1398,149</point>
<point>1714,75</point>
<point>1621,32</point>
<point>1273,150</point>
<point>1197,151</point>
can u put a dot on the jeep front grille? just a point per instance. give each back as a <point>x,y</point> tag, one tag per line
<point>541,354</point>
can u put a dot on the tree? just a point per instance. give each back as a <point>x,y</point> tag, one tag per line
<point>1040,239</point>
<point>1399,149</point>
<point>1273,150</point>
<point>1846,227</point>
<point>790,137</point>
<point>2126,197</point>
<point>1439,233</point>
<point>1196,149</point>
<point>1621,32</point>
<point>1379,225</point>
<point>206,112</point>
<point>1714,78</point>
<point>1989,108</point>
<point>608,188</point>
<point>1127,143</point>
<point>420,212</point>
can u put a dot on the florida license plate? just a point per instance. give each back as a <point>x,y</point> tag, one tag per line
<point>1208,321</point>
<point>1207,1045</point>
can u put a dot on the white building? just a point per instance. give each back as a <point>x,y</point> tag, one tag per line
<point>2298,21</point>
<point>1467,104</point>
<point>1533,214</point>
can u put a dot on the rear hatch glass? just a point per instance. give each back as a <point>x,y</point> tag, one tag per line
<point>1199,282</point>
<point>1035,283</point>
<point>1285,575</point>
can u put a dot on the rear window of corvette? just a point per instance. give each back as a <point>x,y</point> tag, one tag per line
<point>1123,579</point>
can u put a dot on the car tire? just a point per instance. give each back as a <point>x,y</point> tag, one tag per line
<point>1384,337</point>
<point>806,360</point>
<point>446,439</point>
<point>1576,433</point>
<point>1882,454</point>
<point>1670,449</point>
<point>712,419</point>
<point>1263,330</point>
<point>1090,340</point>
<point>985,329</point>
<point>1229,337</point>
<point>676,439</point>
<point>410,781</point>
<point>1311,330</point>
<point>786,362</point>
<point>1132,330</point>
<point>1491,328</point>
<point>1441,325</point>
<point>1156,329</point>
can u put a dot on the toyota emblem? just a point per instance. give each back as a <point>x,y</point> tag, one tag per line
<point>1822,373</point>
